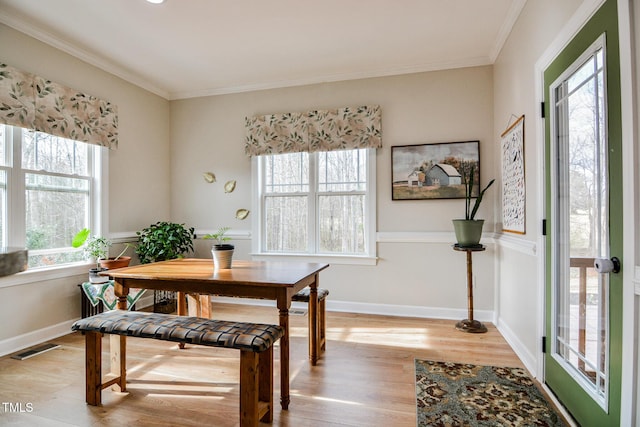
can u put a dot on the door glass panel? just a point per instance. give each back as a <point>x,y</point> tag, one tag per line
<point>581,226</point>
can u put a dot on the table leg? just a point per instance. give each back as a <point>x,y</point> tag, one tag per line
<point>181,308</point>
<point>205,306</point>
<point>283,309</point>
<point>182,304</point>
<point>313,322</point>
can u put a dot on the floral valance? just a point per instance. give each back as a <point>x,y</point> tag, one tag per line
<point>317,130</point>
<point>32,102</point>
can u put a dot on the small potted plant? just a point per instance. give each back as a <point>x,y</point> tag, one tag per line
<point>469,230</point>
<point>94,248</point>
<point>222,252</point>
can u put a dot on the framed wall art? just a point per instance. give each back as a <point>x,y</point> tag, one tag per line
<point>513,178</point>
<point>433,171</point>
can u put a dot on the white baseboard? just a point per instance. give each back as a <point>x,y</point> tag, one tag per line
<point>20,342</point>
<point>408,311</point>
<point>377,309</point>
<point>529,360</point>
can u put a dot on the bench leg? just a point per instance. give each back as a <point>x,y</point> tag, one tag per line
<point>256,387</point>
<point>93,367</point>
<point>321,343</point>
<point>265,383</point>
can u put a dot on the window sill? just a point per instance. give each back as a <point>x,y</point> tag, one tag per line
<point>329,259</point>
<point>42,274</point>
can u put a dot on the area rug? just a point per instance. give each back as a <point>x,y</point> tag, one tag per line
<point>454,394</point>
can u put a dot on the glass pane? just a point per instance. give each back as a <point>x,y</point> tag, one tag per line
<point>582,227</point>
<point>343,170</point>
<point>43,152</point>
<point>287,173</point>
<point>286,224</point>
<point>341,224</point>
<point>56,208</point>
<point>583,74</point>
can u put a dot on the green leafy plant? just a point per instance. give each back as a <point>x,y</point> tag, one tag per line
<point>95,247</point>
<point>164,240</point>
<point>219,236</point>
<point>469,214</point>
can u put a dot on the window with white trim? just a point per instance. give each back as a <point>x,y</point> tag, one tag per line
<point>318,203</point>
<point>49,188</point>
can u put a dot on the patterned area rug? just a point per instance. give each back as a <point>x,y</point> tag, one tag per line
<point>453,394</point>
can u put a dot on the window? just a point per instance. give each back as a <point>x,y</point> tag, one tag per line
<point>320,203</point>
<point>49,188</point>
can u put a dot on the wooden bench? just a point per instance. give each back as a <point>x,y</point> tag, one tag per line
<point>255,342</point>
<point>303,296</point>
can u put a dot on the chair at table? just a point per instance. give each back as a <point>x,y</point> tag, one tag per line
<point>303,296</point>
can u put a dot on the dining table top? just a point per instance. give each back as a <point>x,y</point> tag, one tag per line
<point>268,273</point>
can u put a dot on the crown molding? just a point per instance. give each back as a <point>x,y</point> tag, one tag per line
<point>507,26</point>
<point>31,29</point>
<point>318,79</point>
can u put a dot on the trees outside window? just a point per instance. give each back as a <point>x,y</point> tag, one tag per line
<point>48,189</point>
<point>317,203</point>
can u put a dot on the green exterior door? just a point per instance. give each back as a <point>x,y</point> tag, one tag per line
<point>584,222</point>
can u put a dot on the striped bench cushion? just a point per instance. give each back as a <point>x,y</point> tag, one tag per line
<point>303,295</point>
<point>190,330</point>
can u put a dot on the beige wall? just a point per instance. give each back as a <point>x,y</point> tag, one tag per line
<point>139,169</point>
<point>519,286</point>
<point>207,134</point>
<point>139,178</point>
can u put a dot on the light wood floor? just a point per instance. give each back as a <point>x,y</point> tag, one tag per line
<point>365,378</point>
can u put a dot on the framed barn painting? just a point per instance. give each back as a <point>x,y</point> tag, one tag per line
<point>433,171</point>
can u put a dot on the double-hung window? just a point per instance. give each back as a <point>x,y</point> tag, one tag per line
<point>49,190</point>
<point>316,203</point>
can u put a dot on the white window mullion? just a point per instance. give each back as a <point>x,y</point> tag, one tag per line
<point>370,203</point>
<point>16,192</point>
<point>312,227</point>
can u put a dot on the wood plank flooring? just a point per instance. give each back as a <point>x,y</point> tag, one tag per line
<point>365,378</point>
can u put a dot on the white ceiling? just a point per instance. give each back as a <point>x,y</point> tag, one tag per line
<point>188,48</point>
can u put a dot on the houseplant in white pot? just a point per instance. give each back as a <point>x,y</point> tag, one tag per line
<point>469,230</point>
<point>222,252</point>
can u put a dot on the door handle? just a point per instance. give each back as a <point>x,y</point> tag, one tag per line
<point>604,265</point>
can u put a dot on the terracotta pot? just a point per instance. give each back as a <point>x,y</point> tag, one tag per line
<point>113,263</point>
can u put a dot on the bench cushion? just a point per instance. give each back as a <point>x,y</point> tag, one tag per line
<point>191,330</point>
<point>303,295</point>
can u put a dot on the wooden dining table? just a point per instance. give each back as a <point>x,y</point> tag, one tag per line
<point>250,279</point>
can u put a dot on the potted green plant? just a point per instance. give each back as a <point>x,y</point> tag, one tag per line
<point>97,248</point>
<point>94,248</point>
<point>160,242</point>
<point>164,240</point>
<point>469,230</point>
<point>222,252</point>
